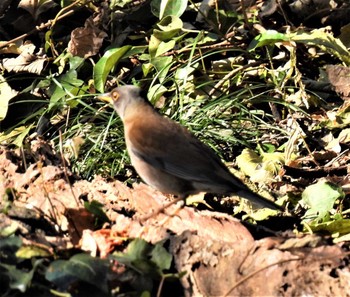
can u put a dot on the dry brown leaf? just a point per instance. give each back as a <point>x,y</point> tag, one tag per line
<point>339,77</point>
<point>87,41</point>
<point>260,269</point>
<point>101,241</point>
<point>26,61</point>
<point>218,254</point>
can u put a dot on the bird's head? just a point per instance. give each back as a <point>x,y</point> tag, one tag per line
<point>122,97</point>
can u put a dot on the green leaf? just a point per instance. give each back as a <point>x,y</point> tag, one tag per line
<point>18,133</point>
<point>75,62</point>
<point>67,84</point>
<point>153,45</point>
<point>167,28</point>
<point>145,258</point>
<point>19,280</point>
<point>8,248</point>
<point>262,214</point>
<point>95,208</point>
<point>267,38</point>
<point>137,249</point>
<point>248,161</point>
<point>158,47</point>
<point>162,65</point>
<point>106,63</point>
<point>62,60</point>
<point>117,4</point>
<point>320,197</point>
<point>146,68</point>
<point>80,267</point>
<point>183,74</point>
<point>10,229</point>
<point>155,92</point>
<point>20,138</point>
<point>260,168</point>
<point>318,37</point>
<point>31,251</point>
<point>161,257</point>
<point>164,47</point>
<point>325,41</point>
<point>336,227</point>
<point>48,36</point>
<point>137,257</point>
<point>164,8</point>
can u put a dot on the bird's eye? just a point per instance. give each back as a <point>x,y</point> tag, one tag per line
<point>115,95</point>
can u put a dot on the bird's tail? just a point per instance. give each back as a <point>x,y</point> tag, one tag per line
<point>257,199</point>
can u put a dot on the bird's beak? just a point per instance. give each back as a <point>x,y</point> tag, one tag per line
<point>106,97</point>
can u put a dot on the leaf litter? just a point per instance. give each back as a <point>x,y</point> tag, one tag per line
<point>200,251</point>
<point>216,252</point>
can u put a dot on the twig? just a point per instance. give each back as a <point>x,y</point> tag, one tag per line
<point>38,28</point>
<point>242,280</point>
<point>230,75</point>
<point>160,287</point>
<point>161,209</point>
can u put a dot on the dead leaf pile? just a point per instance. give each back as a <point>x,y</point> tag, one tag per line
<point>215,252</point>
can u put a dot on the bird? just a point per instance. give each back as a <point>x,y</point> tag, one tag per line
<point>167,156</point>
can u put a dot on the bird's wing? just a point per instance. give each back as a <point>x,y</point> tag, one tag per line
<point>177,152</point>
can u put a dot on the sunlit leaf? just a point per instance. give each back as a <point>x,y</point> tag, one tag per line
<point>335,227</point>
<point>167,28</point>
<point>109,60</point>
<point>164,8</point>
<point>318,37</point>
<point>31,251</point>
<point>155,92</point>
<point>20,138</point>
<point>325,41</point>
<point>321,197</point>
<point>344,136</point>
<point>267,38</point>
<point>164,47</point>
<point>115,4</point>
<point>6,94</point>
<point>248,161</point>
